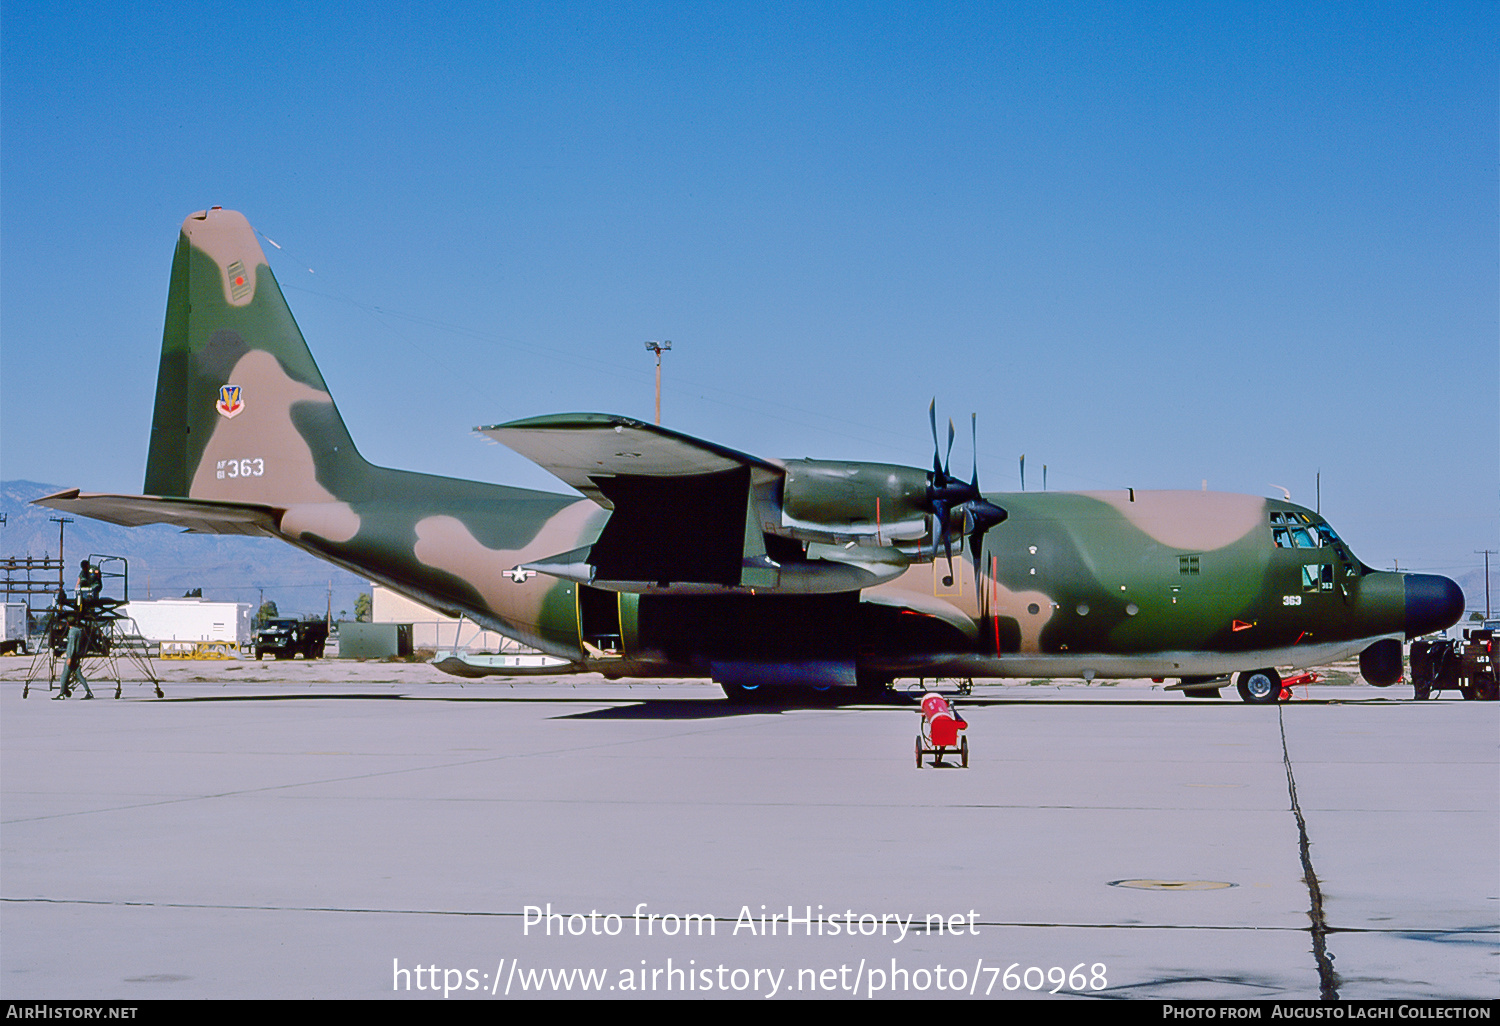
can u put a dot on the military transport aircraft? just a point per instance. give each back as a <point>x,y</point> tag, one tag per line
<point>684,558</point>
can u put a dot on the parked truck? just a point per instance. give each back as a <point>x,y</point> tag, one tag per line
<point>1466,666</point>
<point>287,639</point>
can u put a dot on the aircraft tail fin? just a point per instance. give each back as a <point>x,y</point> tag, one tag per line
<point>242,412</point>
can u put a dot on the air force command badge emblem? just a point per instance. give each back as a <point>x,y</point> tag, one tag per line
<point>230,404</point>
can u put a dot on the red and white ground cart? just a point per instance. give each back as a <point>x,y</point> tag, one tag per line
<point>941,732</point>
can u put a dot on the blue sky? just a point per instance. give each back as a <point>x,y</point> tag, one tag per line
<point>1149,244</point>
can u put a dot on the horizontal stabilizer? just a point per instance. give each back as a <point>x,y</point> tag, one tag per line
<point>195,515</point>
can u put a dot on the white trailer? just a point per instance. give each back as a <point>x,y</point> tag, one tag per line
<point>13,640</point>
<point>189,619</point>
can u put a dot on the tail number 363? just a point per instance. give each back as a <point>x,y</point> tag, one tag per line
<point>253,467</point>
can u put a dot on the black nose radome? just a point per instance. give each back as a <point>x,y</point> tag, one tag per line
<point>1433,603</point>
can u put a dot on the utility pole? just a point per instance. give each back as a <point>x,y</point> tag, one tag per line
<point>658,348</point>
<point>61,523</point>
<point>1487,554</point>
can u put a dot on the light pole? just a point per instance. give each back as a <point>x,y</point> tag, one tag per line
<point>1487,554</point>
<point>658,348</point>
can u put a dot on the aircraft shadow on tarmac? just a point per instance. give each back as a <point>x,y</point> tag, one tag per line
<point>710,708</point>
<point>299,697</point>
<point>627,709</point>
<point>717,708</point>
<point>673,708</point>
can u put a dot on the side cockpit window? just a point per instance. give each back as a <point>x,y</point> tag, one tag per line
<point>1317,577</point>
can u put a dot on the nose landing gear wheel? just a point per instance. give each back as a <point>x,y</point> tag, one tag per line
<point>1259,687</point>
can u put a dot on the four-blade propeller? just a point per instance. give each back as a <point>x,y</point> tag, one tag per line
<point>947,495</point>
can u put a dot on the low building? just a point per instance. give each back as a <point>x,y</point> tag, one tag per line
<point>192,619</point>
<point>434,630</point>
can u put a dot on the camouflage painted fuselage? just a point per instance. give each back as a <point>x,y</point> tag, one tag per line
<point>246,439</point>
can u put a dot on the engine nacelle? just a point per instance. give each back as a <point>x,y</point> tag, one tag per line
<point>866,503</point>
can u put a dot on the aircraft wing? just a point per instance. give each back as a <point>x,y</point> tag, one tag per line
<point>582,448</point>
<point>192,515</point>
<point>682,509</point>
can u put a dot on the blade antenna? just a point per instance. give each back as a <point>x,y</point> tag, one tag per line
<point>974,443</point>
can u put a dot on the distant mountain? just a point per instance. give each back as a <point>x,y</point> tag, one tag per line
<point>166,563</point>
<point>1472,583</point>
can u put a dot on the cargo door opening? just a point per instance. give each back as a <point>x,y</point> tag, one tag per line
<point>599,621</point>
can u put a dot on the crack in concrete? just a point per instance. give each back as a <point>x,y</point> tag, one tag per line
<point>1328,980</point>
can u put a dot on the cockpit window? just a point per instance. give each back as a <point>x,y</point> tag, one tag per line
<point>1294,537</point>
<point>1301,531</point>
<point>1332,541</point>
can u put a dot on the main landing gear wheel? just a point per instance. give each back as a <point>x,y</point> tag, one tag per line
<point>1260,687</point>
<point>919,751</point>
<point>964,751</point>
